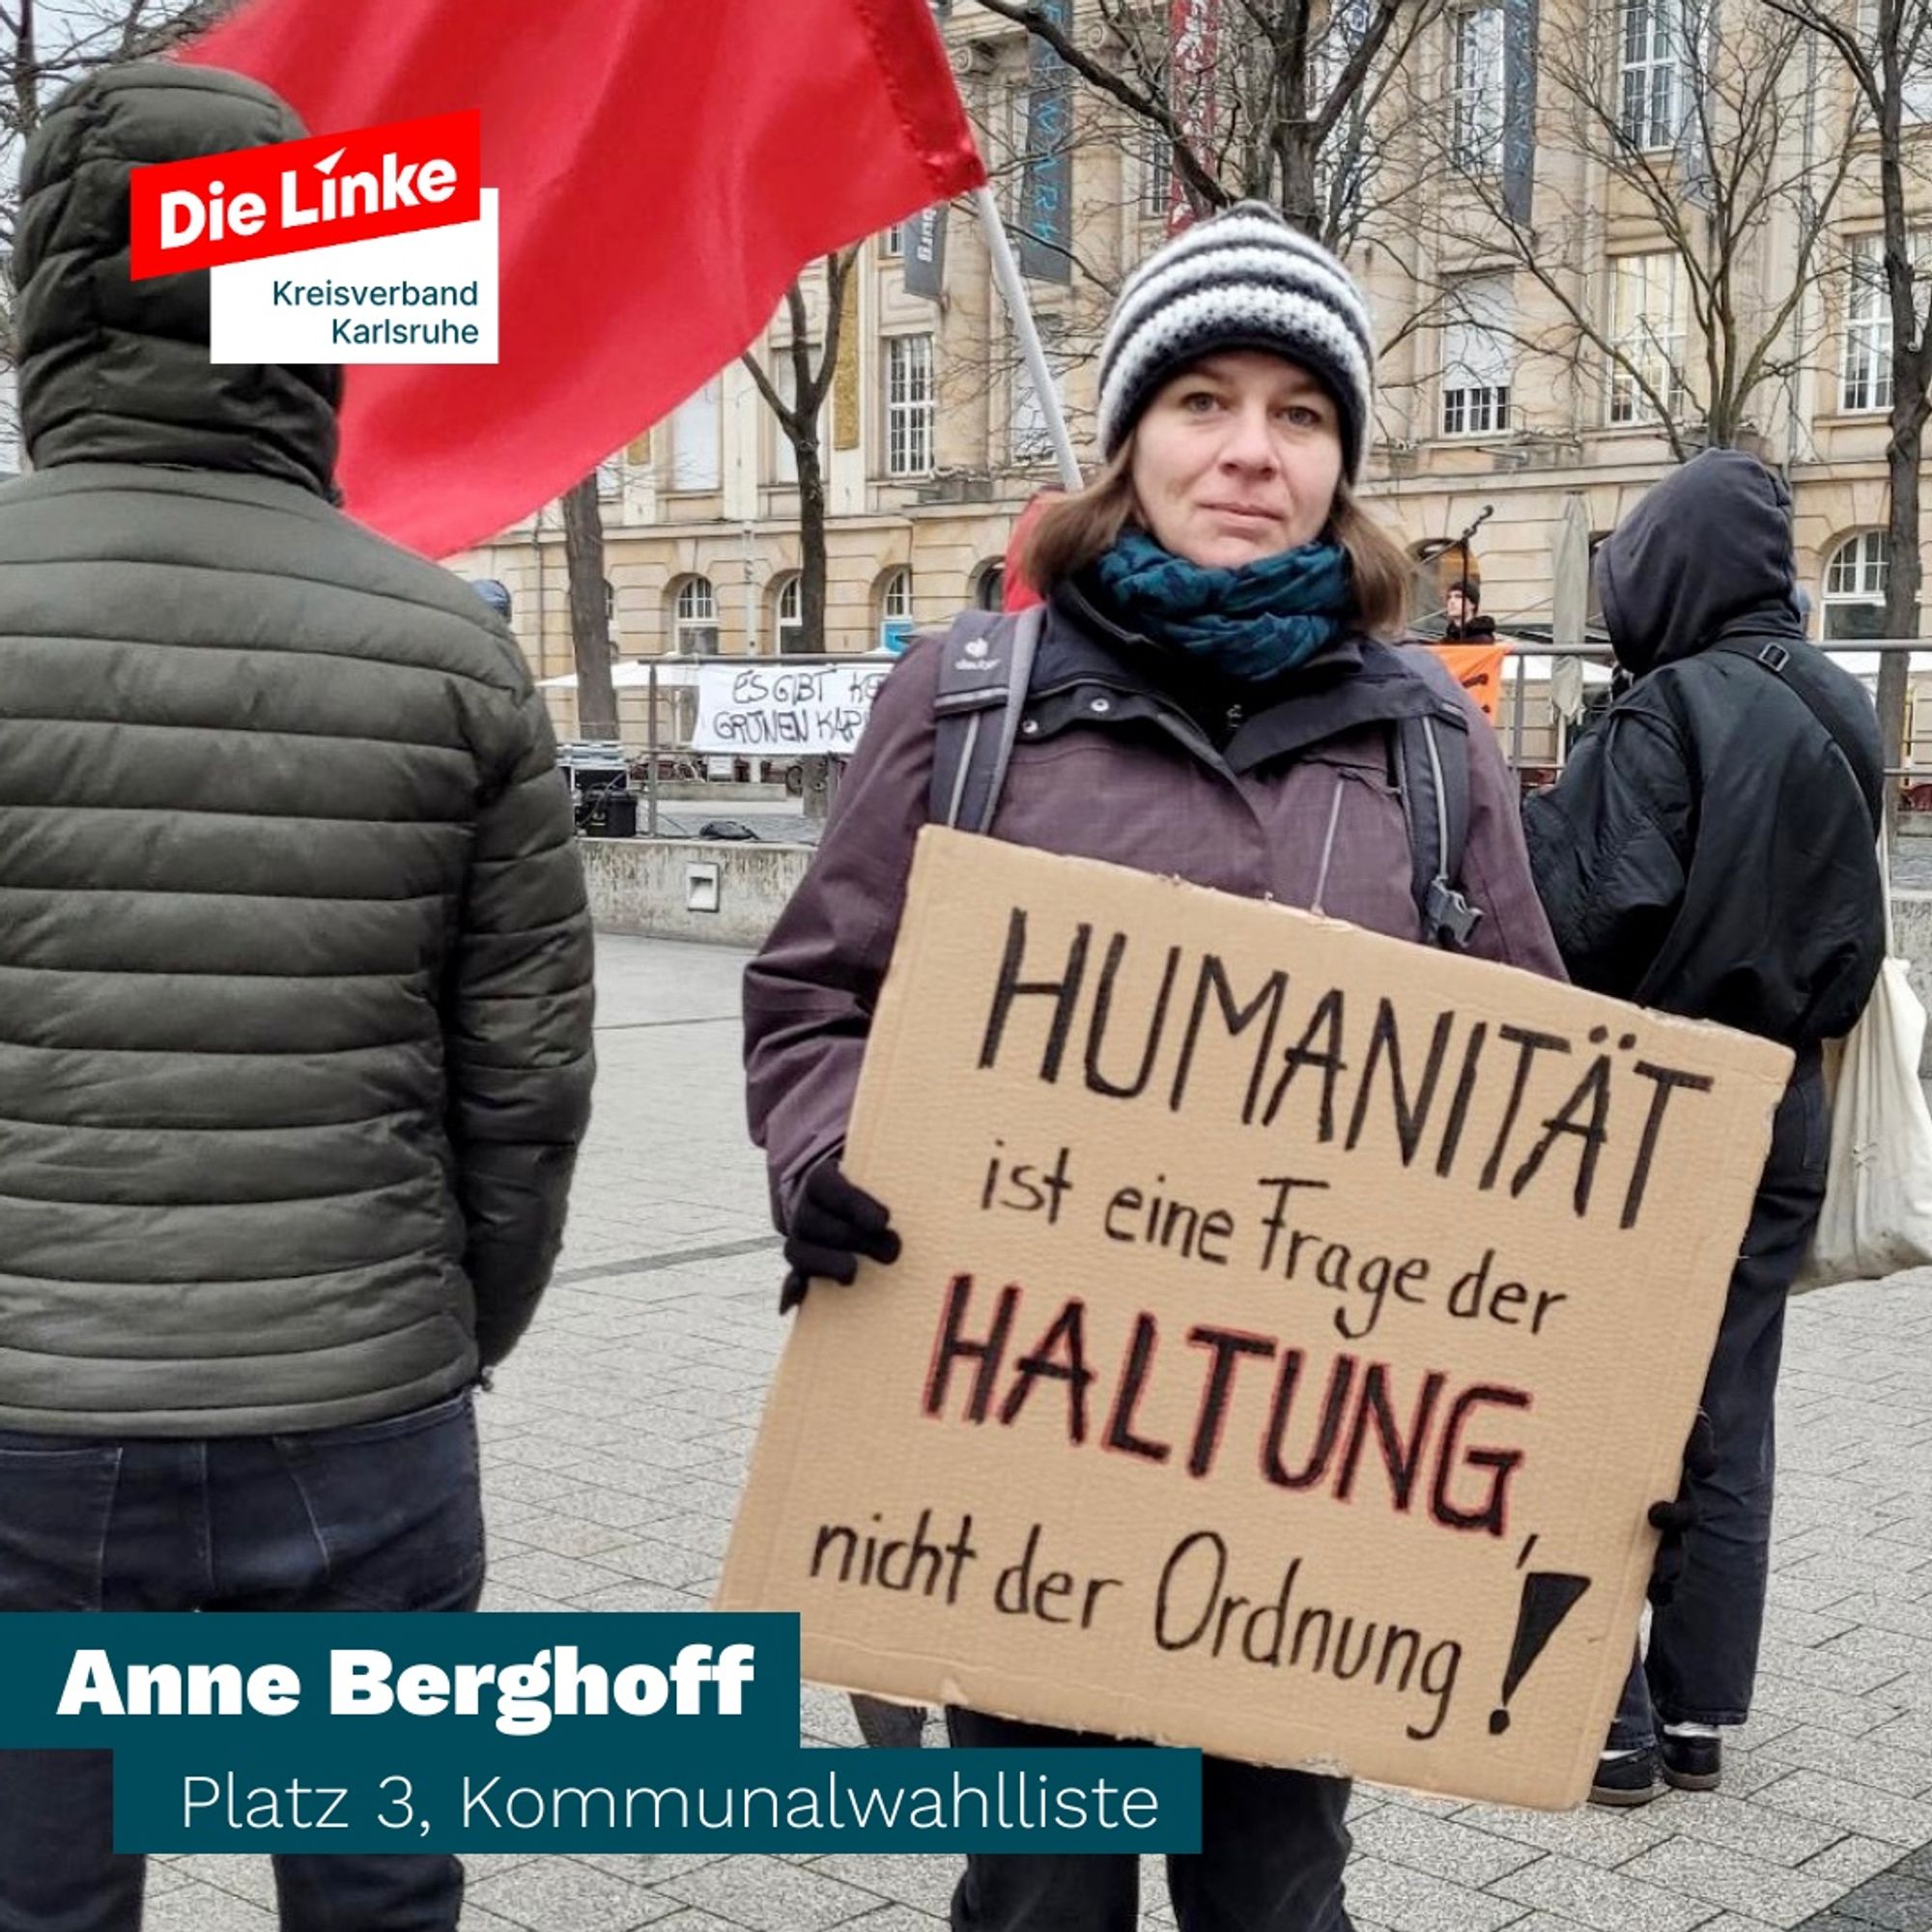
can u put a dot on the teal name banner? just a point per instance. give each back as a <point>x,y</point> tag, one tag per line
<point>539,1799</point>
<point>131,1678</point>
<point>531,1731</point>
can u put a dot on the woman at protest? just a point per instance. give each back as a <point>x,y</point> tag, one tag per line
<point>1212,697</point>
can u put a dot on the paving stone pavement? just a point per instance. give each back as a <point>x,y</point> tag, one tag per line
<point>615,1440</point>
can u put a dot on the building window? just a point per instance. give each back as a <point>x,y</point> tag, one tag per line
<point>1647,331</point>
<point>1915,94</point>
<point>1649,77</point>
<point>1348,158</point>
<point>695,458</point>
<point>892,244</point>
<point>785,455</point>
<point>789,611</point>
<point>1029,441</point>
<point>1477,359</point>
<point>895,610</point>
<point>989,586</point>
<point>1476,88</point>
<point>694,618</point>
<point>1157,173</point>
<point>1855,581</point>
<point>1866,382</point>
<point>611,478</point>
<point>909,404</point>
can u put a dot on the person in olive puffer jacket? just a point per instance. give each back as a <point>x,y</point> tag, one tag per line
<point>295,997</point>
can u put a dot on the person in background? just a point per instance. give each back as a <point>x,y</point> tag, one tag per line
<point>1710,850</point>
<point>296,1048</point>
<point>1462,607</point>
<point>1212,699</point>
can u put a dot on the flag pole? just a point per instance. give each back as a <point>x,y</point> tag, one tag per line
<point>1013,291</point>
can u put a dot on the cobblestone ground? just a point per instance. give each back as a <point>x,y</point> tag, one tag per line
<point>616,1438</point>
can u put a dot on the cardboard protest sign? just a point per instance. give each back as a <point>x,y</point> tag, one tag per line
<point>1478,670</point>
<point>769,709</point>
<point>1292,1328</point>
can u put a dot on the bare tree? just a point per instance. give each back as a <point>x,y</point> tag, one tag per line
<point>1722,163</point>
<point>798,419</point>
<point>45,46</point>
<point>1289,110</point>
<point>48,44</point>
<point>589,616</point>
<point>1882,50</point>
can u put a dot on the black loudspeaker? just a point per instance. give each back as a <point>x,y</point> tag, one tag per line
<point>611,815</point>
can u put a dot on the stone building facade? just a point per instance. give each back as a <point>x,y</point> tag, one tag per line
<point>1492,397</point>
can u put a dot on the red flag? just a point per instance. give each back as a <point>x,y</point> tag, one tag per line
<point>1017,595</point>
<point>665,169</point>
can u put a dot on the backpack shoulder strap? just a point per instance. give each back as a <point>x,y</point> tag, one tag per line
<point>1434,778</point>
<point>1432,761</point>
<point>1774,656</point>
<point>985,670</point>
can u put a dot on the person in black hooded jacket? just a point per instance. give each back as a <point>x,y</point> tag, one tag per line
<point>1710,850</point>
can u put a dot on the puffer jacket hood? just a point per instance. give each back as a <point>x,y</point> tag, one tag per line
<point>117,371</point>
<point>1705,555</point>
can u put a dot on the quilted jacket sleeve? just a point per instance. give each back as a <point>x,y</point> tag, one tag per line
<point>1608,843</point>
<point>517,1033</point>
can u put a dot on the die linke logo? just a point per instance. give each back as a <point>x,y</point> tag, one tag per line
<point>254,203</point>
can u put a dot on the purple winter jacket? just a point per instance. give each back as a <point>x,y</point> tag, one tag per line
<point>1109,767</point>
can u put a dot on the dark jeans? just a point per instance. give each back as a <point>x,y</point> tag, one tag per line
<point>380,1516</point>
<point>1272,1848</point>
<point>1704,1642</point>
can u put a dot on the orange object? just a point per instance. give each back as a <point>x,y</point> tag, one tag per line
<point>1478,670</point>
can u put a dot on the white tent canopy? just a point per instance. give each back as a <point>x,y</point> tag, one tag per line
<point>635,672</point>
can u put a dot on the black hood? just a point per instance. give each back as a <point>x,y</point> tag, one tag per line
<point>1706,553</point>
<point>117,371</point>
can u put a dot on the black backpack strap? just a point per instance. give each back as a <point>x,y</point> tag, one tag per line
<point>1432,776</point>
<point>1773,654</point>
<point>1431,773</point>
<point>986,669</point>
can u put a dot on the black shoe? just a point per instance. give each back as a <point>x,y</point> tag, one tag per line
<point>1692,1764</point>
<point>1626,1781</point>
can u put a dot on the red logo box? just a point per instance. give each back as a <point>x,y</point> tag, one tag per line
<point>396,179</point>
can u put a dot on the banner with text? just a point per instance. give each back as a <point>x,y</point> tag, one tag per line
<point>1259,1373</point>
<point>775,710</point>
<point>1478,670</point>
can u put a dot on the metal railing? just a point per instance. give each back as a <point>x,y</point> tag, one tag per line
<point>1518,653</point>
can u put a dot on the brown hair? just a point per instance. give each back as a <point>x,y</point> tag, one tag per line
<point>1072,531</point>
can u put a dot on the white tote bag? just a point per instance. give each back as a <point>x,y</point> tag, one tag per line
<point>1877,1217</point>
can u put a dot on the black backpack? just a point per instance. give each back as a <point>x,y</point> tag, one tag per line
<point>987,670</point>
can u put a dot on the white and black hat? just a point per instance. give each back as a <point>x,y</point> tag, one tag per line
<point>1242,281</point>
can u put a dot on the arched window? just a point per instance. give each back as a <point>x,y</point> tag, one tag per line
<point>896,608</point>
<point>989,586</point>
<point>1855,582</point>
<point>694,618</point>
<point>788,612</point>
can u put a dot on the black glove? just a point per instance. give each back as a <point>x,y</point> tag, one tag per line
<point>832,1224</point>
<point>1676,1518</point>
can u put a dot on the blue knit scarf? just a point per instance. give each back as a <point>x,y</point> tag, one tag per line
<point>1248,624</point>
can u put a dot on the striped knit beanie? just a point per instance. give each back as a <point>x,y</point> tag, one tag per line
<point>1242,281</point>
